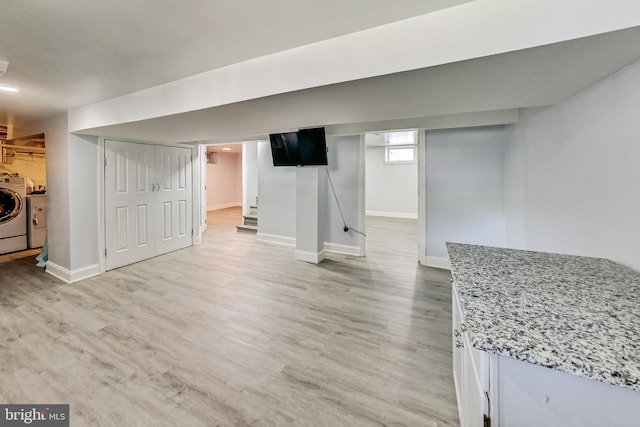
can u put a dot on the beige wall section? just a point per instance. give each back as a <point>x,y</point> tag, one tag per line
<point>28,166</point>
<point>224,181</point>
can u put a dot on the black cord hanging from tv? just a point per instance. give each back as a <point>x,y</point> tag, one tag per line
<point>346,228</point>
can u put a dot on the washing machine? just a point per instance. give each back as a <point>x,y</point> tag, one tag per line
<point>13,215</point>
<point>36,220</point>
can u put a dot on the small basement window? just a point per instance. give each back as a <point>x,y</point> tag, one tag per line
<point>400,147</point>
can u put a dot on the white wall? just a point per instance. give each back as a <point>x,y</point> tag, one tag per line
<point>278,200</point>
<point>224,181</point>
<point>310,211</point>
<point>391,190</point>
<point>344,164</point>
<point>277,192</point>
<point>579,169</point>
<point>465,173</point>
<point>249,176</point>
<point>58,181</point>
<point>73,216</point>
<point>84,204</point>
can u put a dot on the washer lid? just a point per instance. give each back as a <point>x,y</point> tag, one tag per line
<point>10,205</point>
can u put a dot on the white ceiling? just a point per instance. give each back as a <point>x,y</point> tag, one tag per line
<point>68,53</point>
<point>523,79</point>
<point>225,148</point>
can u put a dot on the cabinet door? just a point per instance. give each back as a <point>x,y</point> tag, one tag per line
<point>470,371</point>
<point>173,172</point>
<point>129,218</point>
<point>458,350</point>
<point>474,406</point>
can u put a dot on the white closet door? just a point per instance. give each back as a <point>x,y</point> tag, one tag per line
<point>129,216</point>
<point>173,172</point>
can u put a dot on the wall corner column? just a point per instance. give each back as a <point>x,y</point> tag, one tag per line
<point>309,230</point>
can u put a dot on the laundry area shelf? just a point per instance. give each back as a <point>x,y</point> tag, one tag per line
<point>24,145</point>
<point>19,149</point>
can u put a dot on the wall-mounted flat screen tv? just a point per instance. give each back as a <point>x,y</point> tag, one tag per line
<point>307,147</point>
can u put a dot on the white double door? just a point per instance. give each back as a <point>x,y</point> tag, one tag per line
<point>148,201</point>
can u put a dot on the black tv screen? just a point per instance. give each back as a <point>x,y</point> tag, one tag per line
<point>307,147</point>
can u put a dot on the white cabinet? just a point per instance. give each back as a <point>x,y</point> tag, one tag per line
<point>470,373</point>
<point>535,396</point>
<point>458,350</point>
<point>473,390</point>
<point>148,201</point>
<point>497,391</point>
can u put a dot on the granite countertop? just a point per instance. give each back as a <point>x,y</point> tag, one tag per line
<point>575,314</point>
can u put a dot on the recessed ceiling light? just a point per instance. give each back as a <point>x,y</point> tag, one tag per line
<point>7,88</point>
<point>226,148</point>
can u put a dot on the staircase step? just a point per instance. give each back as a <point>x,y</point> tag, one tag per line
<point>247,228</point>
<point>250,220</point>
<point>253,210</point>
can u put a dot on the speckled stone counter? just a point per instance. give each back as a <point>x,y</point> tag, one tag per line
<point>576,314</point>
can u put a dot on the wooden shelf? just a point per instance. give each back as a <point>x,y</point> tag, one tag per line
<point>21,148</point>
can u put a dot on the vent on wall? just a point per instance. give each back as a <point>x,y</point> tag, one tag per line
<point>212,157</point>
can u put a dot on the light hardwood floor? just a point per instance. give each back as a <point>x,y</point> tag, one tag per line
<point>29,253</point>
<point>236,332</point>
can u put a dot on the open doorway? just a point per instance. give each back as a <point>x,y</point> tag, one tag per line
<point>391,195</point>
<point>23,198</point>
<point>231,189</point>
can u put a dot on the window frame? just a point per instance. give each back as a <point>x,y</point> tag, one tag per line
<point>389,146</point>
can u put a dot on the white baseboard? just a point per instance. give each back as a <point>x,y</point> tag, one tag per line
<point>69,276</point>
<point>312,257</point>
<point>279,240</point>
<point>58,272</point>
<point>393,214</point>
<point>224,206</point>
<point>437,262</point>
<point>337,248</point>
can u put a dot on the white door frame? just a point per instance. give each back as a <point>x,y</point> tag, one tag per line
<point>102,237</point>
<point>362,177</point>
<point>422,193</point>
<point>422,196</point>
<point>201,184</point>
